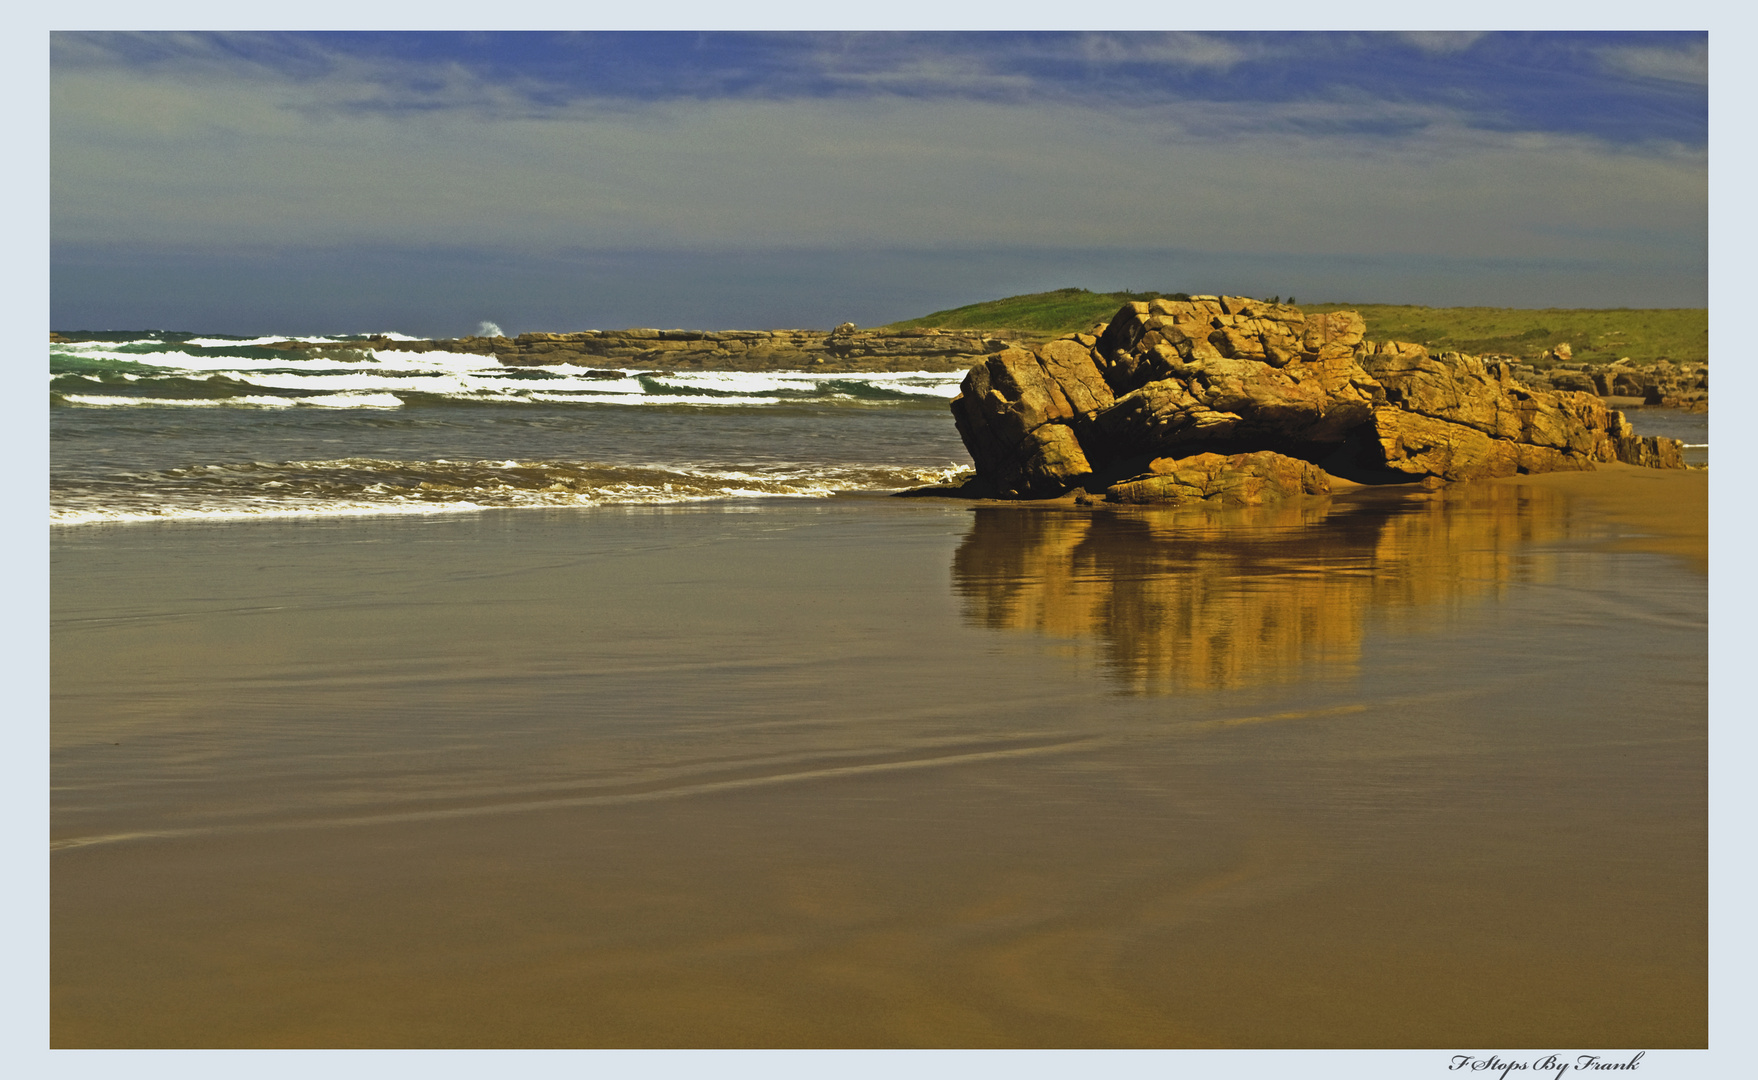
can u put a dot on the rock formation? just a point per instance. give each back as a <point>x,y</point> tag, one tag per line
<point>1675,386</point>
<point>844,349</point>
<point>1242,384</point>
<point>1238,480</point>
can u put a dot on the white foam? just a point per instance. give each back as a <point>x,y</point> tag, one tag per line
<point>937,383</point>
<point>252,500</point>
<point>326,401</point>
<point>654,399</point>
<point>109,401</point>
<point>352,401</point>
<point>124,517</point>
<point>934,383</point>
<point>267,339</point>
<point>341,381</point>
<point>473,377</point>
<point>107,351</point>
<point>314,339</point>
<point>609,495</point>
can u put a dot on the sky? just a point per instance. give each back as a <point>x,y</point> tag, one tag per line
<point>427,182</point>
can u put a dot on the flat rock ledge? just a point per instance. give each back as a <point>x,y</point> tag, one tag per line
<point>1663,383</point>
<point>845,349</point>
<point>1231,480</point>
<point>1232,399</point>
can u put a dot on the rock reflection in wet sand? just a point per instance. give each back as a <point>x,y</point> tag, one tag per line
<point>1200,598</point>
<point>720,778</point>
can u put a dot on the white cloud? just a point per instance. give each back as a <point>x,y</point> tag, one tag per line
<point>1686,65</point>
<point>200,157</point>
<point>1177,49</point>
<point>1442,42</point>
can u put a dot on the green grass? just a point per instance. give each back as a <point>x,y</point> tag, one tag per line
<point>1044,314</point>
<point>1597,335</point>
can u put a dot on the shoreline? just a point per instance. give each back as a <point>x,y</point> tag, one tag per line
<point>1664,501</point>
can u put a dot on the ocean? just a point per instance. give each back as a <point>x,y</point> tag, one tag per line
<point>414,701</point>
<point>178,426</point>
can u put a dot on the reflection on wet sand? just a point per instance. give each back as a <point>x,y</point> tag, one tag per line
<point>1193,598</point>
<point>714,778</point>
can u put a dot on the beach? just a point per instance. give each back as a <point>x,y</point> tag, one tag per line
<point>938,539</point>
<point>1389,769</point>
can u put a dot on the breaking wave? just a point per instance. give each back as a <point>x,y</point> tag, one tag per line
<point>344,373</point>
<point>370,486</point>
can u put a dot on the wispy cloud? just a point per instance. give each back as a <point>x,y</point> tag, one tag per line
<point>1442,42</point>
<point>175,165</point>
<point>1201,51</point>
<point>1557,83</point>
<point>1561,147</point>
<point>1687,63</point>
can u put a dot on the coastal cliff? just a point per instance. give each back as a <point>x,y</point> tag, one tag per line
<point>1242,401</point>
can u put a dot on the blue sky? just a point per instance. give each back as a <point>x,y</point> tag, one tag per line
<point>423,182</point>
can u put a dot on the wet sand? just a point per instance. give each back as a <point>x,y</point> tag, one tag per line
<point>1391,770</point>
<point>1659,510</point>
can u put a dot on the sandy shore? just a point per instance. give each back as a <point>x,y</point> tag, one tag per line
<point>1422,771</point>
<point>1663,510</point>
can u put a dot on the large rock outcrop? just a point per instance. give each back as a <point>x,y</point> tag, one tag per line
<point>1170,380</point>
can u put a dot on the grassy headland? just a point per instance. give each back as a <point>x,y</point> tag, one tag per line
<point>1046,314</point>
<point>1597,335</point>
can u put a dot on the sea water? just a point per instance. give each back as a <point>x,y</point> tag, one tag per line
<point>174,426</point>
